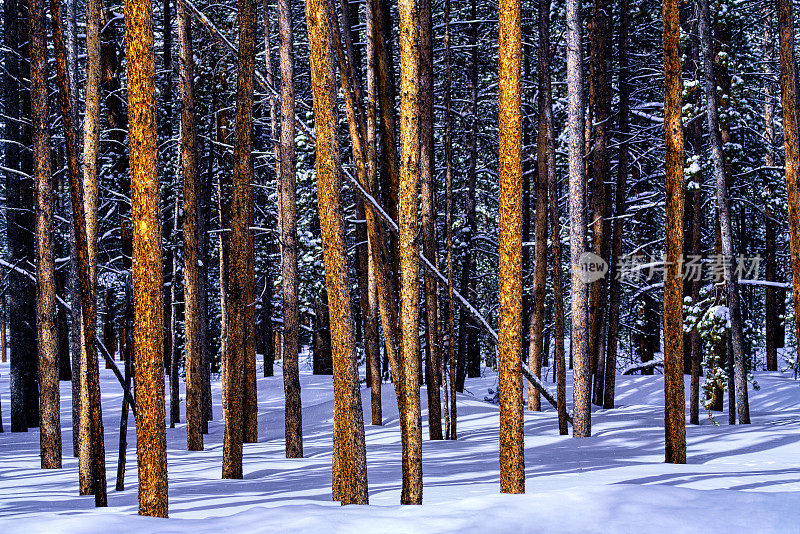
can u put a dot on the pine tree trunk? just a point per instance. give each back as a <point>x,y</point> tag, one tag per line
<point>92,450</point>
<point>235,250</point>
<point>174,317</point>
<point>49,398</point>
<point>288,215</point>
<point>450,389</point>
<point>428,207</point>
<point>609,382</point>
<point>674,403</point>
<point>410,149</point>
<point>350,469</point>
<point>600,103</point>
<point>788,83</point>
<point>512,440</point>
<point>191,250</point>
<point>67,107</point>
<point>147,265</point>
<point>579,348</point>
<point>723,205</point>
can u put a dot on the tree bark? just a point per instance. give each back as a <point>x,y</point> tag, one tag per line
<point>770,254</point>
<point>235,250</point>
<point>147,279</point>
<point>582,378</point>
<point>349,458</point>
<point>674,403</point>
<point>92,449</point>
<point>191,250</point>
<point>49,397</point>
<point>288,214</point>
<point>512,440</point>
<point>428,207</point>
<point>724,211</point>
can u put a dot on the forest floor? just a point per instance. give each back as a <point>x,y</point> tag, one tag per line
<point>737,479</point>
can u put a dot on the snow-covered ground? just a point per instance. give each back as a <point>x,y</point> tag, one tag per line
<point>736,478</point>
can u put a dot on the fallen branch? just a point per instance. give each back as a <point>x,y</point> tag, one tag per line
<point>115,369</point>
<point>643,367</point>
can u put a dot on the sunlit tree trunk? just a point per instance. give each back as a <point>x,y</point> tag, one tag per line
<point>147,261</point>
<point>512,444</point>
<point>349,456</point>
<point>674,403</point>
<point>49,398</point>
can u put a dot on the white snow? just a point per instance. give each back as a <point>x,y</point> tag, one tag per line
<point>736,478</point>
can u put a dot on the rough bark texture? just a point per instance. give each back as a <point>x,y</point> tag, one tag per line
<point>349,458</point>
<point>791,137</point>
<point>450,328</point>
<point>674,403</point>
<point>512,444</point>
<point>147,261</point>
<point>410,145</point>
<point>724,213</point>
<point>428,207</point>
<point>235,250</point>
<point>288,216</point>
<point>49,399</point>
<point>582,379</point>
<point>92,450</point>
<point>191,252</point>
<point>549,155</point>
<point>771,294</point>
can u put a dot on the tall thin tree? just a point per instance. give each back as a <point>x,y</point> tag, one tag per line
<point>512,445</point>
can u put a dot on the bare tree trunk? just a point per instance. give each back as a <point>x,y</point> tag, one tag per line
<point>67,107</point>
<point>49,397</point>
<point>235,252</point>
<point>600,97</point>
<point>349,458</point>
<point>410,148</point>
<point>512,440</point>
<point>609,382</point>
<point>674,403</point>
<point>147,280</point>
<point>174,297</point>
<point>450,429</point>
<point>288,215</point>
<point>427,179</point>
<point>92,450</point>
<point>723,205</point>
<point>582,378</point>
<point>191,241</point>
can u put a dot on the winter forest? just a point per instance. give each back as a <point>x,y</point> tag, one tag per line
<point>265,257</point>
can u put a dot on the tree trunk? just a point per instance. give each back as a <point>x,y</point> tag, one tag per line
<point>235,251</point>
<point>191,241</point>
<point>609,382</point>
<point>47,343</point>
<point>427,179</point>
<point>723,205</point>
<point>288,216</point>
<point>67,107</point>
<point>147,279</point>
<point>579,348</point>
<point>512,440</point>
<point>451,413</point>
<point>600,102</point>
<point>349,457</point>
<point>92,450</point>
<point>174,297</point>
<point>674,403</point>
